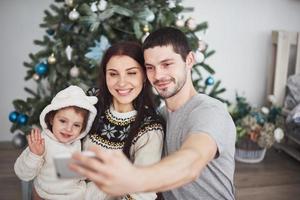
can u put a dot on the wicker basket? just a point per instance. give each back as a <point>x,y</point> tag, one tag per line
<point>249,156</point>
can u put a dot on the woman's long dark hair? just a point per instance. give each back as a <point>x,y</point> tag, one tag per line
<point>143,104</point>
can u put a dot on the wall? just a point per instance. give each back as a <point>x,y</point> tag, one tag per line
<point>19,22</point>
<point>239,31</point>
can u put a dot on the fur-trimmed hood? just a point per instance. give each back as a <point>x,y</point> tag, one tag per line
<point>71,96</point>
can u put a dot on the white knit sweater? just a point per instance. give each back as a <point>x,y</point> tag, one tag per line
<point>30,166</point>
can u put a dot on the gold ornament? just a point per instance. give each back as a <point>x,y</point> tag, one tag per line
<point>146,28</point>
<point>69,3</point>
<point>51,59</point>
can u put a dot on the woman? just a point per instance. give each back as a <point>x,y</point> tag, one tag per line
<point>126,119</point>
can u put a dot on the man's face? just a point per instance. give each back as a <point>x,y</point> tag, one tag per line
<point>166,70</point>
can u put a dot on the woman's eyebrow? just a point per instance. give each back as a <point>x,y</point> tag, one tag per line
<point>131,68</point>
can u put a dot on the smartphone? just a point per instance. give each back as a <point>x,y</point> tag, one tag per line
<point>61,164</point>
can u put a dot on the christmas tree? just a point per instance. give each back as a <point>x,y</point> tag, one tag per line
<point>77,33</point>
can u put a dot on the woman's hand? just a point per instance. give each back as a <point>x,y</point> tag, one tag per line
<point>110,170</point>
<point>35,142</point>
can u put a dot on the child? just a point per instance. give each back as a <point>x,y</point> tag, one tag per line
<point>64,122</point>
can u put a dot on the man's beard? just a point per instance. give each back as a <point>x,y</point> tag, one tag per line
<point>165,94</point>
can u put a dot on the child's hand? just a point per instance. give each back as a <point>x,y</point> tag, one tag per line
<point>35,142</point>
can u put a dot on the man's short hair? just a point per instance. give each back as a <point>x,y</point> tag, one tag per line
<point>168,36</point>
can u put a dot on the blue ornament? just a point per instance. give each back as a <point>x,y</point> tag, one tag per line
<point>50,31</point>
<point>22,119</point>
<point>41,68</point>
<point>13,116</point>
<point>209,81</point>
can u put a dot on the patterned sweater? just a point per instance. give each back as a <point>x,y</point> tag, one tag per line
<point>145,150</point>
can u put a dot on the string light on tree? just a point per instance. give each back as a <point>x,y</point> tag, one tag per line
<point>51,59</point>
<point>74,15</point>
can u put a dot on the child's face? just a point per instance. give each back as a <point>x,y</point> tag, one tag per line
<point>67,124</point>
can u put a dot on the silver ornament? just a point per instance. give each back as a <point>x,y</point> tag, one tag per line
<point>19,140</point>
<point>74,15</point>
<point>102,5</point>
<point>74,72</point>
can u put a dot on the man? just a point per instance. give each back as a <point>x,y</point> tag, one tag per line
<point>198,158</point>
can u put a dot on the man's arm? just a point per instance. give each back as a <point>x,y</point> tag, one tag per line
<point>114,174</point>
<point>183,166</point>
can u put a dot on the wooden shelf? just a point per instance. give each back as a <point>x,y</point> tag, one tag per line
<point>291,146</point>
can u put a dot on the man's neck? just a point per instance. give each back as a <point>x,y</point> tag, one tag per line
<point>183,96</point>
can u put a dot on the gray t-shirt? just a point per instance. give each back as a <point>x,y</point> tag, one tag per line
<point>203,114</point>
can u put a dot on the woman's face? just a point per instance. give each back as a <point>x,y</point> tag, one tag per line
<point>124,79</point>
